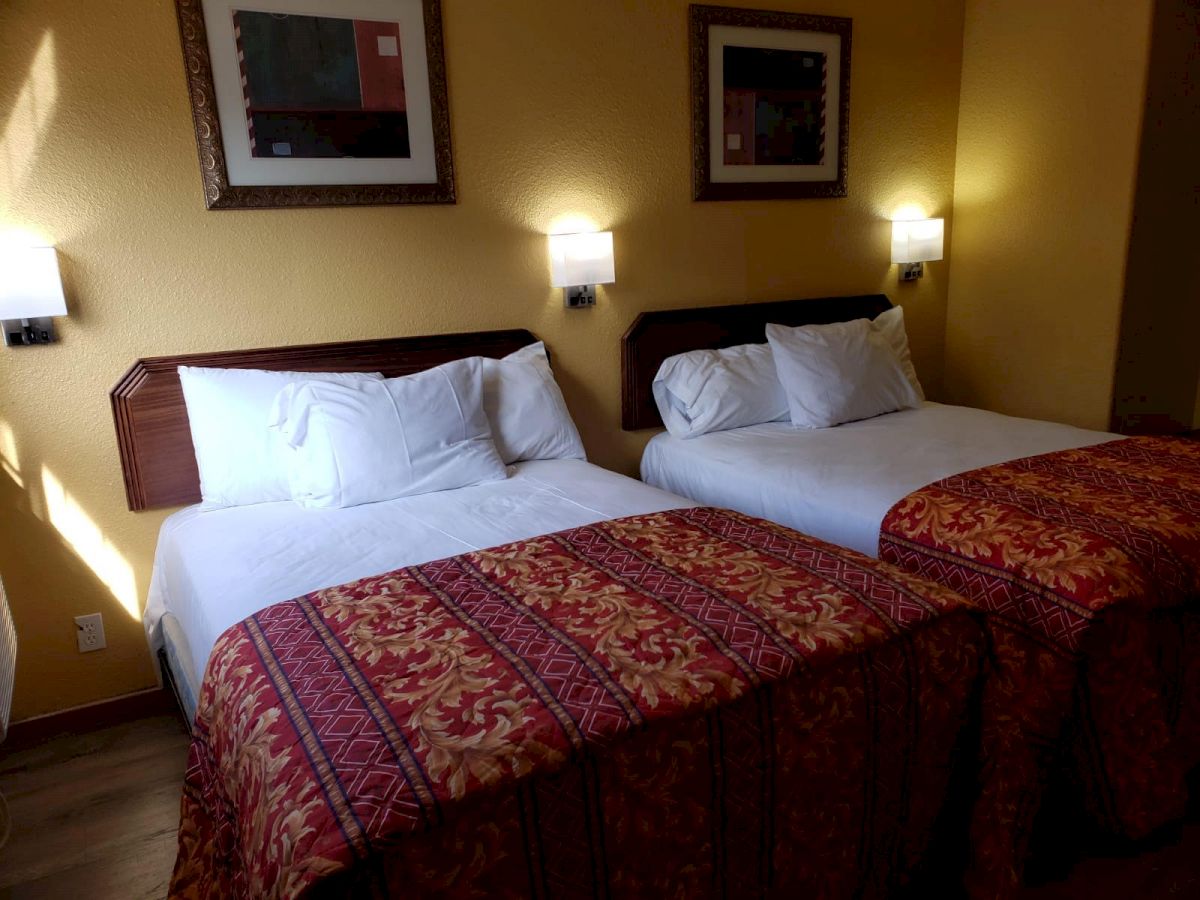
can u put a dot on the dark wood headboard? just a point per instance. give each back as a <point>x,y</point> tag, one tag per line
<point>654,336</point>
<point>157,457</point>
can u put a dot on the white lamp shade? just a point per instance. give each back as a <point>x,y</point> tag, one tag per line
<point>584,258</point>
<point>917,240</point>
<point>30,285</point>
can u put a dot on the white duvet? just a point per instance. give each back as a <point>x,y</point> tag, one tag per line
<point>215,567</point>
<point>838,483</point>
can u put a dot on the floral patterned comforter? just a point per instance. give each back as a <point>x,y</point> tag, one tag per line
<point>1087,563</point>
<point>692,703</point>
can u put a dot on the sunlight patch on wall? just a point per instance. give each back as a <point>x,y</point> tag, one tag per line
<point>89,543</point>
<point>10,462</point>
<point>28,120</point>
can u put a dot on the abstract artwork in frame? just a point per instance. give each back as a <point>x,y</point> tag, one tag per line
<point>770,104</point>
<point>318,102</point>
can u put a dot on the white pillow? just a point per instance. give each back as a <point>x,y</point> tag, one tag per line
<point>839,373</point>
<point>891,324</point>
<point>227,412</point>
<point>526,409</point>
<point>372,441</point>
<point>714,390</point>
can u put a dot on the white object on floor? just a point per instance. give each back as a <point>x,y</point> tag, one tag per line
<point>215,567</point>
<point>8,665</point>
<point>8,661</point>
<point>837,484</point>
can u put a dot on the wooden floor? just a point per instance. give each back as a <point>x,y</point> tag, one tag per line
<point>94,816</point>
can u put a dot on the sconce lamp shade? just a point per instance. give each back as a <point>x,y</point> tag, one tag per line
<point>917,240</point>
<point>30,284</point>
<point>583,258</point>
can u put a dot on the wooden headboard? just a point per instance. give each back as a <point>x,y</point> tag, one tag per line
<point>157,457</point>
<point>654,336</point>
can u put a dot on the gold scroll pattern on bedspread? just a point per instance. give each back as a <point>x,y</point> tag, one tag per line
<point>691,703</point>
<point>1087,563</point>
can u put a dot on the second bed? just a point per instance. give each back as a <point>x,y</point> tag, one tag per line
<point>1082,548</point>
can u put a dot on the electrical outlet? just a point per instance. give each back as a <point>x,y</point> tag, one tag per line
<point>89,632</point>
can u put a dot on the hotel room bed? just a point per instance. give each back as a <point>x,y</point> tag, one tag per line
<point>214,567</point>
<point>659,699</point>
<point>839,483</point>
<point>1082,549</point>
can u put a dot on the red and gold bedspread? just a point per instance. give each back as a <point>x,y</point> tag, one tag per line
<point>689,704</point>
<point>1087,563</point>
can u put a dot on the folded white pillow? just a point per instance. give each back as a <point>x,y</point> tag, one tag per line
<point>839,373</point>
<point>227,413</point>
<point>715,390</point>
<point>525,407</point>
<point>363,443</point>
<point>891,325</point>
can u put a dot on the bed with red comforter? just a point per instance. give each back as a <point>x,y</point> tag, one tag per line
<point>691,703</point>
<point>1087,564</point>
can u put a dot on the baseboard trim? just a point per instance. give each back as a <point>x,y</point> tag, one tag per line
<point>90,717</point>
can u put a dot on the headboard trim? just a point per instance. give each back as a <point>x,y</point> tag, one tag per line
<point>655,335</point>
<point>155,443</point>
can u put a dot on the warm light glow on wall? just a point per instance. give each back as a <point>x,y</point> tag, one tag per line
<point>28,119</point>
<point>10,462</point>
<point>570,223</point>
<point>89,543</point>
<point>908,212</point>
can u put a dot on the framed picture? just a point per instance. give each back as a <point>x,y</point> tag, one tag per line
<point>770,104</point>
<point>318,102</point>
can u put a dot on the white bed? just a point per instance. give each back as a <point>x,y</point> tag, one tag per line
<point>838,483</point>
<point>215,567</point>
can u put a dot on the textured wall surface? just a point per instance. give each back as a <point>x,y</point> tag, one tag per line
<point>1048,131</point>
<point>572,111</point>
<point>1158,360</point>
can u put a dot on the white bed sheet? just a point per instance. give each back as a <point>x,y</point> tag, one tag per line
<point>837,484</point>
<point>215,567</point>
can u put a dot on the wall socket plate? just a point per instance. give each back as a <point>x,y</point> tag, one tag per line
<point>89,632</point>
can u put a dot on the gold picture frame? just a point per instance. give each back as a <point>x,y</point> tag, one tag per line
<point>221,118</point>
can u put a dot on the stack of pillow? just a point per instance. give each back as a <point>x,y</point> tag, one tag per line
<point>343,439</point>
<point>814,376</point>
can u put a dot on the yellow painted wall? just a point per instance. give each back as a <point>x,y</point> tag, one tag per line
<point>1048,129</point>
<point>559,109</point>
<point>1158,359</point>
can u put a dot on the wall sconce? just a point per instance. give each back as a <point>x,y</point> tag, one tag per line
<point>579,262</point>
<point>30,293</point>
<point>914,243</point>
